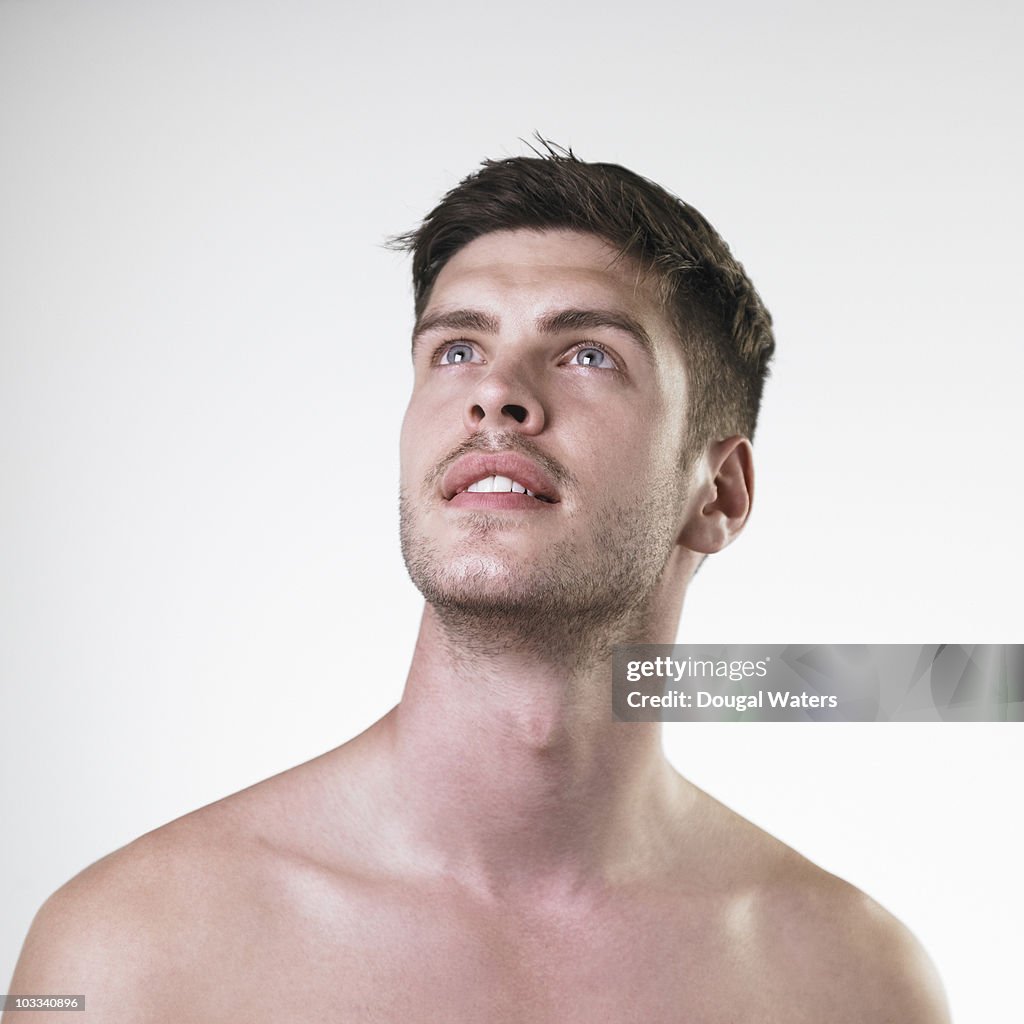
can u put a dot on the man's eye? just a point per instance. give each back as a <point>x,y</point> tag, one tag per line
<point>457,353</point>
<point>595,357</point>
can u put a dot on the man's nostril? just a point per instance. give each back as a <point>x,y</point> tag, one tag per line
<point>517,412</point>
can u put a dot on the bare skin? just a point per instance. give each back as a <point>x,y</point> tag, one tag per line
<point>497,848</point>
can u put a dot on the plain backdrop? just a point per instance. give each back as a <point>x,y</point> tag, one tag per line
<point>204,366</point>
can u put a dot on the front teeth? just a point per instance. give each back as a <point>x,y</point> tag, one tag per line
<point>492,484</point>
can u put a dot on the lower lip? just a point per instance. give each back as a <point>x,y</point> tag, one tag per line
<point>499,501</point>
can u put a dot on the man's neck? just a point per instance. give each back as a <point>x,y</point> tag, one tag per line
<point>514,775</point>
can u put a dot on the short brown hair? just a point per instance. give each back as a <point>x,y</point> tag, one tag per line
<point>722,323</point>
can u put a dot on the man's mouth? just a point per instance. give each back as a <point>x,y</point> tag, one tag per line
<point>499,473</point>
<point>503,485</point>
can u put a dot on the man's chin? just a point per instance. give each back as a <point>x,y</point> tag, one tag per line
<point>480,582</point>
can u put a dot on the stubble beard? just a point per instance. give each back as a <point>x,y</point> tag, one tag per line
<point>590,590</point>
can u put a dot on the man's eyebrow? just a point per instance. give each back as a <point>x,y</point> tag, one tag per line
<point>456,320</point>
<point>592,319</point>
<point>550,323</point>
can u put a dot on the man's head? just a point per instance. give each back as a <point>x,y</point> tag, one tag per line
<point>722,325</point>
<point>562,348</point>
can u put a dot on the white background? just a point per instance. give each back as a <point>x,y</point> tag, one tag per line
<point>204,366</point>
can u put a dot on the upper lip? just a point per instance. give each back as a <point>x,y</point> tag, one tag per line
<point>477,465</point>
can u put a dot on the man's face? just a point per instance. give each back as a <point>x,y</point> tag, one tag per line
<point>544,365</point>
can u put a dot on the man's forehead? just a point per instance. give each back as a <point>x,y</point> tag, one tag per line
<point>552,282</point>
<point>526,247</point>
<point>546,264</point>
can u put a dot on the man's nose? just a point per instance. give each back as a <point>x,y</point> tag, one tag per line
<point>504,401</point>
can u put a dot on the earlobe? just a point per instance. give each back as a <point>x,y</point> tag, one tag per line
<point>721,500</point>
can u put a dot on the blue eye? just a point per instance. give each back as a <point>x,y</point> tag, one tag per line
<point>457,354</point>
<point>592,357</point>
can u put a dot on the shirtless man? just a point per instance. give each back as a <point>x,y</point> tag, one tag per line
<point>588,361</point>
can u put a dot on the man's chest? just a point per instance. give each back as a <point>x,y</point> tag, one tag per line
<point>426,967</point>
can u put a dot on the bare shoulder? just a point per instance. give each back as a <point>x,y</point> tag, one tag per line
<point>852,957</point>
<point>162,923</point>
<point>812,942</point>
<point>121,928</point>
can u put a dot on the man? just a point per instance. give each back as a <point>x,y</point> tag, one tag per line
<point>589,360</point>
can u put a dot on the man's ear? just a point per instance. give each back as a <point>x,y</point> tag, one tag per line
<point>723,492</point>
